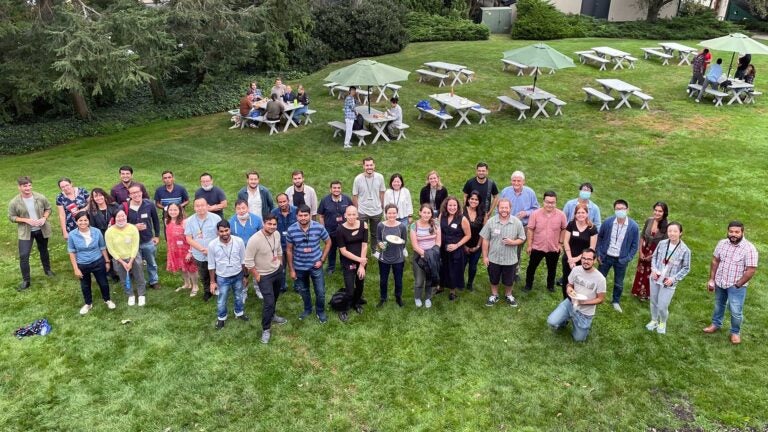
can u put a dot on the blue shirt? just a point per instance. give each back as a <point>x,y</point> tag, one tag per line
<point>245,230</point>
<point>177,195</point>
<point>594,212</point>
<point>86,254</point>
<point>349,108</point>
<point>714,72</point>
<point>283,222</point>
<point>306,245</point>
<point>202,231</point>
<point>526,202</point>
<point>333,211</point>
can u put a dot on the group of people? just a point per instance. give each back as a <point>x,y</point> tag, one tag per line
<point>297,237</point>
<point>714,78</point>
<point>280,97</point>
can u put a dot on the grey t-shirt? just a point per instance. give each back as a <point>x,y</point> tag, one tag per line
<point>368,190</point>
<point>588,284</point>
<point>392,254</point>
<point>29,203</point>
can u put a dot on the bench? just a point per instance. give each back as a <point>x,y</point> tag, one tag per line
<point>308,114</point>
<point>401,130</point>
<point>483,112</point>
<point>750,96</point>
<point>427,74</point>
<point>643,97</point>
<point>514,103</point>
<point>341,127</point>
<point>648,52</point>
<point>631,61</point>
<point>344,90</point>
<point>261,119</point>
<point>433,112</point>
<point>468,73</point>
<point>395,88</point>
<point>558,105</point>
<point>330,86</point>
<point>519,67</point>
<point>584,56</point>
<point>604,98</point>
<point>695,89</point>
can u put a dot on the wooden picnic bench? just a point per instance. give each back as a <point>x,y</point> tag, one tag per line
<point>648,52</point>
<point>308,115</point>
<point>643,97</point>
<point>750,96</point>
<point>468,74</point>
<point>558,105</point>
<point>341,127</point>
<point>631,60</point>
<point>330,86</point>
<point>602,97</point>
<point>483,112</point>
<point>428,74</point>
<point>442,116</point>
<point>401,130</point>
<point>514,103</point>
<point>585,56</point>
<point>717,95</point>
<point>519,67</point>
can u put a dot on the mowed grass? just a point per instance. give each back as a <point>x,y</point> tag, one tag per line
<point>459,366</point>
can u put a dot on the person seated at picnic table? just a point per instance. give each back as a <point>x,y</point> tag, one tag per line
<point>289,96</point>
<point>246,105</point>
<point>397,112</point>
<point>741,69</point>
<point>274,109</point>
<point>301,96</point>
<point>279,88</point>
<point>713,78</point>
<point>255,91</point>
<point>749,75</point>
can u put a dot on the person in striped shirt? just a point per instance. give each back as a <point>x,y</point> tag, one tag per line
<point>306,258</point>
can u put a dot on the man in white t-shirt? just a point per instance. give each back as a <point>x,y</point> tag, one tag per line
<point>368,196</point>
<point>30,211</point>
<point>396,112</point>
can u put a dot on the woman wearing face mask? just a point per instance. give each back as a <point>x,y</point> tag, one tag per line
<point>455,232</point>
<point>670,264</point>
<point>123,244</point>
<point>433,193</point>
<point>654,231</point>
<point>475,215</point>
<point>392,257</point>
<point>70,202</point>
<point>88,255</point>
<point>400,196</point>
<point>178,258</point>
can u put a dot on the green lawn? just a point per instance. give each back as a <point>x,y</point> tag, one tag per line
<point>459,366</point>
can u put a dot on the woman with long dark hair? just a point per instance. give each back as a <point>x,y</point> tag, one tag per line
<point>179,258</point>
<point>654,231</point>
<point>455,232</point>
<point>475,215</point>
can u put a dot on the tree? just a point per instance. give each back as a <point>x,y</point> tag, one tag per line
<point>758,8</point>
<point>654,7</point>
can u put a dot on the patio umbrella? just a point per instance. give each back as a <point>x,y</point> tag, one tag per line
<point>735,42</point>
<point>367,73</point>
<point>539,55</point>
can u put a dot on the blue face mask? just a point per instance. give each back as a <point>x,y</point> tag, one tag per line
<point>621,214</point>
<point>585,194</point>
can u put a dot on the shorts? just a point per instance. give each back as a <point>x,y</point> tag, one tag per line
<point>502,273</point>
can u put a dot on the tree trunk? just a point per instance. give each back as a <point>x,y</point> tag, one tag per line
<point>653,12</point>
<point>80,106</point>
<point>158,91</point>
<point>46,10</point>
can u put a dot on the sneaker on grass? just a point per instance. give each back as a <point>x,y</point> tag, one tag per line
<point>511,300</point>
<point>492,300</point>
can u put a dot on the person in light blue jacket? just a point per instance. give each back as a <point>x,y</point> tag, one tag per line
<point>617,243</point>
<point>670,264</point>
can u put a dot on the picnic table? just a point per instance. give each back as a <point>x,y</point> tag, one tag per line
<point>383,89</point>
<point>622,88</point>
<point>684,52</point>
<point>377,119</point>
<point>449,68</point>
<point>614,55</point>
<point>737,88</point>
<point>538,96</point>
<point>460,104</point>
<point>344,90</point>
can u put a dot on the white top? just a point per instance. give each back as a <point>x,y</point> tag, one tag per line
<point>29,203</point>
<point>402,199</point>
<point>254,201</point>
<point>226,259</point>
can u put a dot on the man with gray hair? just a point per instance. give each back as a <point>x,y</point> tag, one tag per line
<point>523,201</point>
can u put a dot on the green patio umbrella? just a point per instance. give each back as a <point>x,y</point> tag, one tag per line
<point>367,73</point>
<point>735,43</point>
<point>539,55</point>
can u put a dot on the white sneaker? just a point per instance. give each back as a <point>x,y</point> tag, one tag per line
<point>662,328</point>
<point>259,294</point>
<point>131,301</point>
<point>85,309</point>
<point>427,303</point>
<point>110,304</point>
<point>617,307</point>
<point>142,300</point>
<point>418,303</point>
<point>651,326</point>
<point>347,146</point>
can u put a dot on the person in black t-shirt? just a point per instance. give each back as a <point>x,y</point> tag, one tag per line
<point>487,188</point>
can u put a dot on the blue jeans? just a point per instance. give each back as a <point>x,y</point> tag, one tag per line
<point>225,284</point>
<point>298,112</point>
<point>734,297</point>
<point>397,270</point>
<point>332,253</point>
<point>563,313</point>
<point>619,270</point>
<point>147,251</point>
<point>302,286</point>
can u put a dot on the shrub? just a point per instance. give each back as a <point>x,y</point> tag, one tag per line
<point>539,20</point>
<point>424,27</point>
<point>374,27</point>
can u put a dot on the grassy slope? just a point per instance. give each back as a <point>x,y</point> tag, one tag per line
<point>457,367</point>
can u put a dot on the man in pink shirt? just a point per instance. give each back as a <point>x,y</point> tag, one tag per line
<point>546,231</point>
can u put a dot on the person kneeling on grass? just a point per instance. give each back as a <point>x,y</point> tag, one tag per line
<point>586,289</point>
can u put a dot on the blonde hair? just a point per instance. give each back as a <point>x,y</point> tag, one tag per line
<point>439,183</point>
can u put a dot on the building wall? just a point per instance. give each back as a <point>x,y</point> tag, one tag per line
<point>630,10</point>
<point>567,6</point>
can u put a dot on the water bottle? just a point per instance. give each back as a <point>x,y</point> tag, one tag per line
<point>127,281</point>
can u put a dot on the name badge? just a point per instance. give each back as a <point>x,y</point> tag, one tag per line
<point>179,242</point>
<point>275,258</point>
<point>285,233</point>
<point>339,219</point>
<point>497,231</point>
<point>453,226</point>
<point>144,216</point>
<point>307,250</point>
<point>575,234</point>
<point>127,240</point>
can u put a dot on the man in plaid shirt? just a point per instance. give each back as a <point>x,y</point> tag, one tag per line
<point>349,115</point>
<point>733,265</point>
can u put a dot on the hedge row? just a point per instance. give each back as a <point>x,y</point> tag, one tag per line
<point>424,27</point>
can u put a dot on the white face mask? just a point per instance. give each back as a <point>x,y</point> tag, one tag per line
<point>207,188</point>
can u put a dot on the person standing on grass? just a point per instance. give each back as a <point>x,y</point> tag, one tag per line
<point>101,212</point>
<point>585,289</point>
<point>122,241</point>
<point>400,196</point>
<point>617,242</point>
<point>433,193</point>
<point>368,196</point>
<point>286,216</point>
<point>119,191</point>
<point>306,258</point>
<point>733,265</point>
<point>88,256</point>
<point>178,258</point>
<point>546,233</point>
<point>353,245</point>
<point>200,230</point>
<point>349,115</point>
<point>654,230</point>
<point>331,215</point>
<point>671,262</point>
<point>170,193</point>
<point>524,203</point>
<point>300,193</point>
<point>455,232</point>
<point>712,78</point>
<point>214,196</point>
<point>245,224</point>
<point>226,258</point>
<point>392,257</point>
<point>473,213</point>
<point>699,65</point>
<point>264,261</point>
<point>502,235</point>
<point>489,192</point>
<point>258,197</point>
<point>425,239</point>
<point>30,212</point>
<point>71,201</point>
<point>585,197</point>
<point>580,235</point>
<point>142,214</point>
